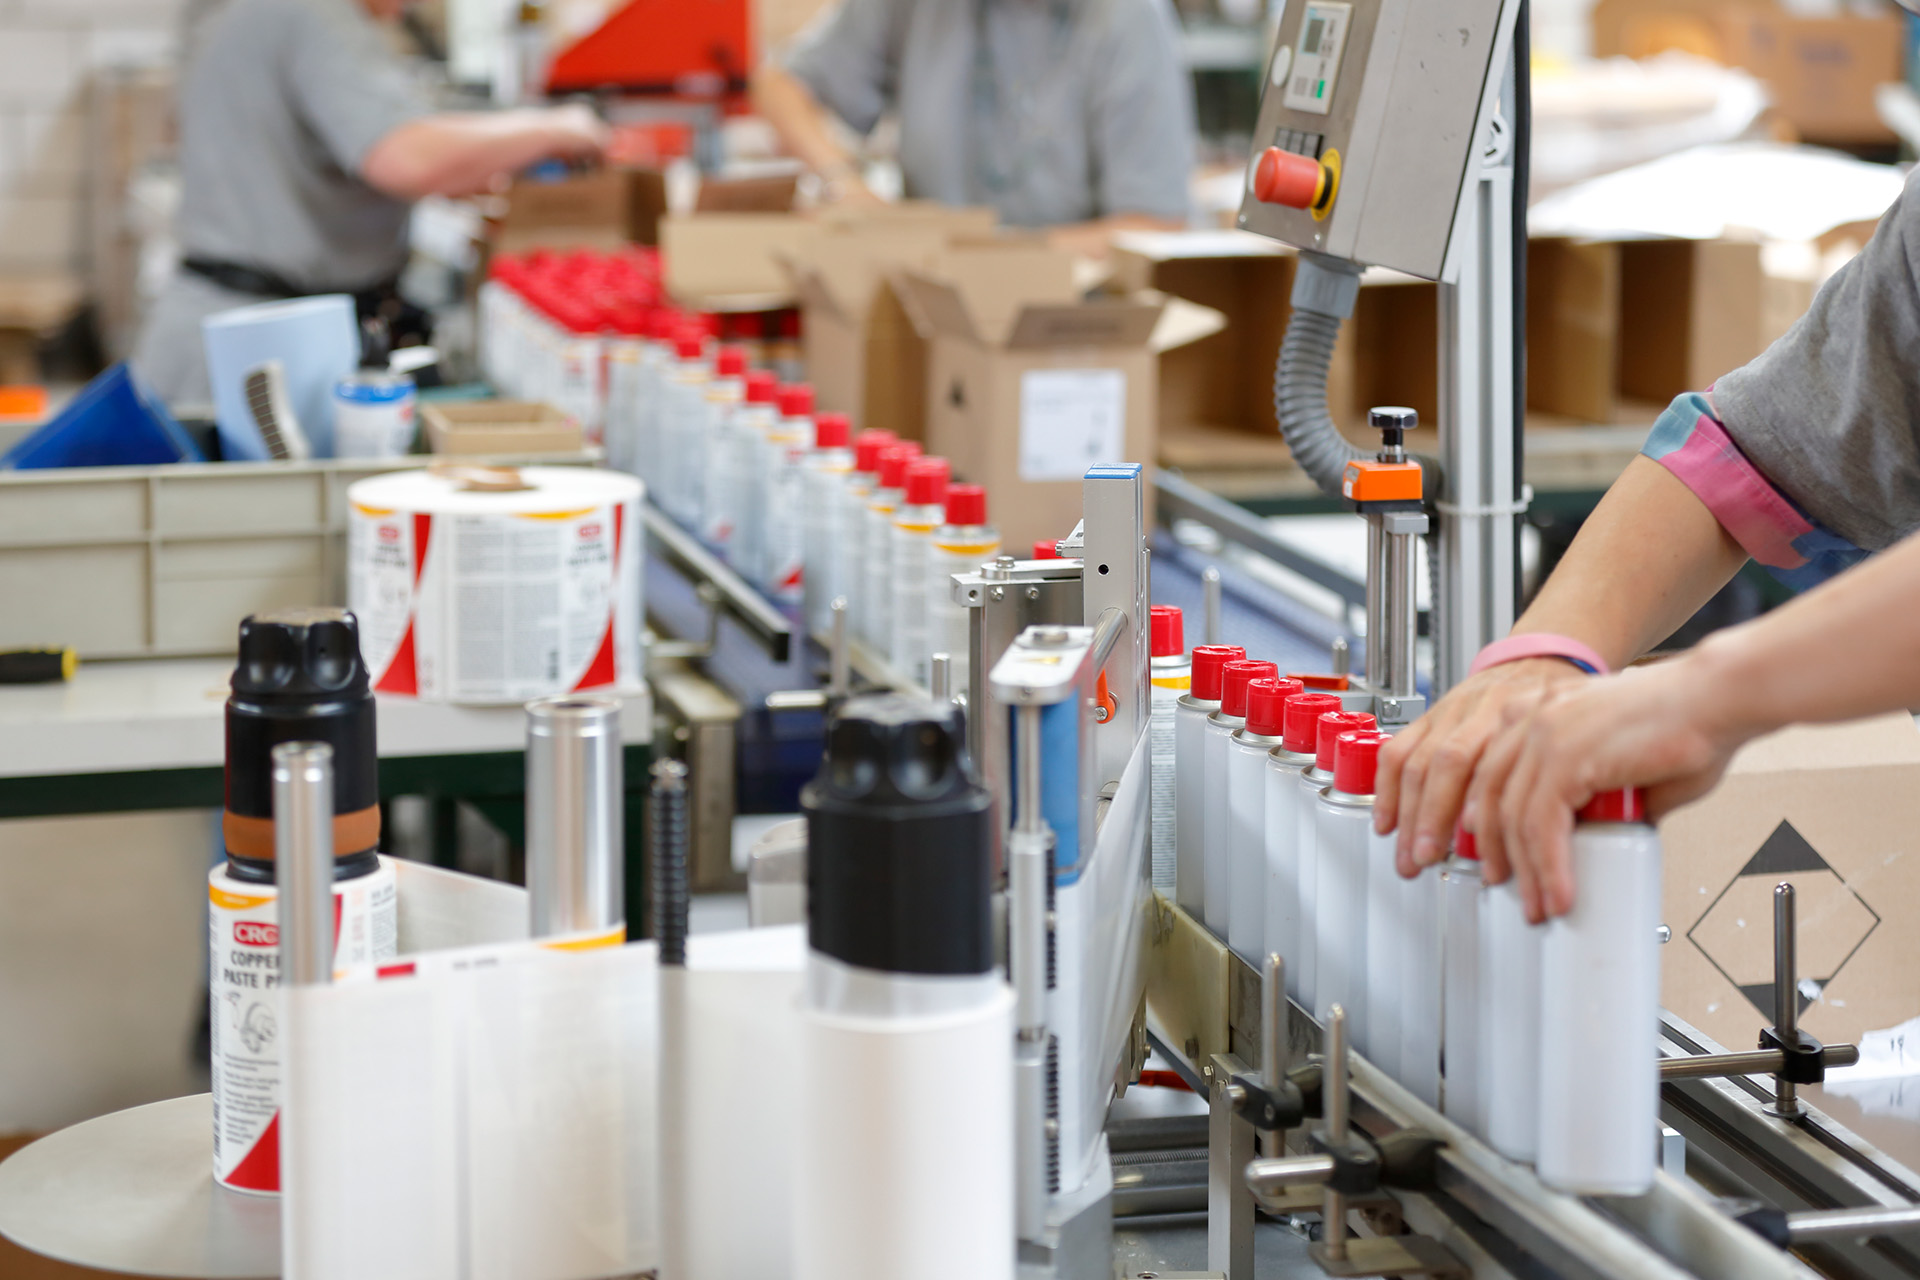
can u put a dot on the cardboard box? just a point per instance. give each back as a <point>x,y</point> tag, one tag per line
<point>1833,809</point>
<point>587,212</point>
<point>1573,327</point>
<point>1642,28</point>
<point>1821,72</point>
<point>732,261</point>
<point>864,356</point>
<point>499,427</point>
<point>1030,383</point>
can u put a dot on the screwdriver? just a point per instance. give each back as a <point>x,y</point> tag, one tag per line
<point>37,666</point>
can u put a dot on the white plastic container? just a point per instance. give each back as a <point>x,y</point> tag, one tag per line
<point>852,536</point>
<point>1389,935</point>
<point>1510,960</point>
<point>1422,983</point>
<point>875,625</point>
<point>1289,895</point>
<point>719,500</point>
<point>1343,822</point>
<point>1170,676</point>
<point>1247,752</point>
<point>373,415</point>
<point>783,565</point>
<point>962,543</point>
<point>753,425</point>
<point>1190,719</point>
<point>922,507</point>
<point>1600,1019</point>
<point>1463,1097</point>
<point>827,466</point>
<point>1216,784</point>
<point>1327,728</point>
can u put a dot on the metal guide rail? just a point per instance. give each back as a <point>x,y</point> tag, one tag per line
<point>1765,1196</point>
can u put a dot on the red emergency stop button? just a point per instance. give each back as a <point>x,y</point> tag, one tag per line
<point>1290,179</point>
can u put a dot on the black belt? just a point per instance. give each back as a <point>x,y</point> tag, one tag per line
<point>269,284</point>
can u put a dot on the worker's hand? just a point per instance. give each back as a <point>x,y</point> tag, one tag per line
<point>845,185</point>
<point>1425,768</point>
<point>577,133</point>
<point>1663,728</point>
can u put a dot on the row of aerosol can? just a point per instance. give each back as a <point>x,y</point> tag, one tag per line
<point>1512,1029</point>
<point>797,503</point>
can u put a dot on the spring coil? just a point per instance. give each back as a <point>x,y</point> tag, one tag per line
<point>667,858</point>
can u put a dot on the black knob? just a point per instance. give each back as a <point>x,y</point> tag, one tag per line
<point>1393,422</point>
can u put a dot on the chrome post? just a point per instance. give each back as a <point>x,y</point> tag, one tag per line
<point>303,860</point>
<point>1786,997</point>
<point>575,815</point>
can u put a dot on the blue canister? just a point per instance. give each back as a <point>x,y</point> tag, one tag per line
<point>373,415</point>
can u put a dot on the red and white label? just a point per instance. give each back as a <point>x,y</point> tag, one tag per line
<point>243,984</point>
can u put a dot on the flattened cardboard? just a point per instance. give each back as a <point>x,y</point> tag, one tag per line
<point>1833,809</point>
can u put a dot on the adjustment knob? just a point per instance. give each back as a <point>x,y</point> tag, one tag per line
<point>1393,422</point>
<point>1287,178</point>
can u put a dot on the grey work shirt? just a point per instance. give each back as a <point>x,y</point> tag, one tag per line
<point>278,108</point>
<point>1068,110</point>
<point>1830,414</point>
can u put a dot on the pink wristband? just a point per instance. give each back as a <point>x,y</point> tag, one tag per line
<point>1539,644</point>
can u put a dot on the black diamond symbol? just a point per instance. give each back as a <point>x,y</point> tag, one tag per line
<point>1735,933</point>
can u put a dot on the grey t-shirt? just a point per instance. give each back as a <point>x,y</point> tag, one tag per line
<point>278,109</point>
<point>1051,111</point>
<point>1830,413</point>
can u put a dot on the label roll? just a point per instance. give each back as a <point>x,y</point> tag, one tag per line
<point>491,586</point>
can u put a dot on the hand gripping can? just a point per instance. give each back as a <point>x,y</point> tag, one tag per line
<point>299,679</point>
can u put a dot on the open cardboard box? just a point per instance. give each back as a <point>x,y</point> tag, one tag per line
<point>499,427</point>
<point>726,261</point>
<point>864,356</point>
<point>1031,382</point>
<point>1833,809</point>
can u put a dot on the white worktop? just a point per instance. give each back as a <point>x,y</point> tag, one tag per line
<point>168,713</point>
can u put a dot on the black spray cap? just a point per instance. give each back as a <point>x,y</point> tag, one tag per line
<point>899,842</point>
<point>300,678</point>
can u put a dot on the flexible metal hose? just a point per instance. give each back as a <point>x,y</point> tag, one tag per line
<point>668,838</point>
<point>1323,294</point>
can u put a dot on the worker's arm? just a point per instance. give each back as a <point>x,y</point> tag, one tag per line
<point>464,153</point>
<point>1841,651</point>
<point>806,127</point>
<point>1645,561</point>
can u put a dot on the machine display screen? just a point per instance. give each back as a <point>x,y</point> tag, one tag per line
<point>1316,65</point>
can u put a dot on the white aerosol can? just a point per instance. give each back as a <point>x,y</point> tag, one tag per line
<point>1190,718</point>
<point>1247,753</point>
<point>1320,900</point>
<point>827,466</point>
<point>1215,784</point>
<point>1170,677</point>
<point>1343,821</point>
<point>963,542</point>
<point>923,505</point>
<point>1463,1096</point>
<point>1599,1031</point>
<point>720,492</point>
<point>1510,957</point>
<point>851,538</point>
<point>1287,927</point>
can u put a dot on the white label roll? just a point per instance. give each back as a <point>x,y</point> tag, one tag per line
<point>490,595</point>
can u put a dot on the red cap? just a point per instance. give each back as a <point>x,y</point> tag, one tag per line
<point>687,346</point>
<point>1267,705</point>
<point>1168,631</point>
<point>1331,725</point>
<point>761,386</point>
<point>867,446</point>
<point>893,463</point>
<point>1331,684</point>
<point>1355,753</point>
<point>1047,549</point>
<point>1234,679</point>
<point>1208,659</point>
<point>730,362</point>
<point>1616,806</point>
<point>830,431</point>
<point>1303,715</point>
<point>966,504</point>
<point>795,400</point>
<point>927,482</point>
<point>1464,844</point>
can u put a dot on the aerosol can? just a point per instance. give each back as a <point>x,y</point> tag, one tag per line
<point>826,469</point>
<point>1326,728</point>
<point>753,426</point>
<point>922,507</point>
<point>1343,818</point>
<point>1247,754</point>
<point>719,507</point>
<point>1221,726</point>
<point>962,543</point>
<point>851,539</point>
<point>1510,960</point>
<point>683,415</point>
<point>781,463</point>
<point>1463,1097</point>
<point>1287,928</point>
<point>299,679</point>
<point>1600,1030</point>
<point>1422,978</point>
<point>1169,679</point>
<point>1190,718</point>
<point>875,627</point>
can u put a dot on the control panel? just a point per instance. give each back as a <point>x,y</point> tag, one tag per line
<point>1368,118</point>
